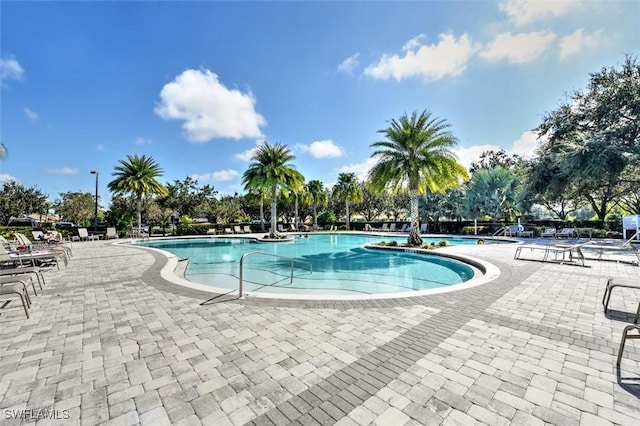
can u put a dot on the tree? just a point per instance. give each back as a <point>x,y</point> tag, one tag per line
<point>78,207</point>
<point>16,200</point>
<point>373,203</point>
<point>271,171</point>
<point>229,210</point>
<point>416,157</point>
<point>137,175</point>
<point>348,190</point>
<point>595,135</point>
<point>496,193</point>
<point>318,197</point>
<point>490,159</point>
<point>187,198</point>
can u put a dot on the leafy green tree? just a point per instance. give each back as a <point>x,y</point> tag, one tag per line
<point>348,190</point>
<point>229,210</point>
<point>318,198</point>
<point>16,200</point>
<point>399,204</point>
<point>490,159</point>
<point>436,206</point>
<point>78,207</point>
<point>120,213</point>
<point>416,157</point>
<point>187,198</point>
<point>137,175</point>
<point>496,193</point>
<point>594,136</point>
<point>327,216</point>
<point>373,203</point>
<point>271,171</point>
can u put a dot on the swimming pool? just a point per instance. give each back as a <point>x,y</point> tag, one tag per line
<point>326,264</point>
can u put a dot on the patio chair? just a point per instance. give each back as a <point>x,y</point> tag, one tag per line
<point>111,233</point>
<point>566,232</point>
<point>237,229</point>
<point>404,228</point>
<point>16,271</point>
<point>211,231</point>
<point>423,228</point>
<point>280,228</point>
<point>228,231</point>
<point>35,258</point>
<point>17,288</point>
<point>84,235</point>
<point>548,232</point>
<point>625,336</point>
<point>392,227</point>
<point>247,229</point>
<point>385,227</point>
<point>611,284</point>
<point>513,230</point>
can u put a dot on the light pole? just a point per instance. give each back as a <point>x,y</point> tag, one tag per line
<point>95,215</point>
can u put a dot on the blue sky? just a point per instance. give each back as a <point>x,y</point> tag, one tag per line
<point>197,85</point>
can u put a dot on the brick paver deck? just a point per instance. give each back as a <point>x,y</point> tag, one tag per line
<point>111,342</point>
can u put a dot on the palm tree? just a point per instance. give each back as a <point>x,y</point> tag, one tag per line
<point>348,189</point>
<point>416,157</point>
<point>137,175</point>
<point>318,196</point>
<point>271,171</point>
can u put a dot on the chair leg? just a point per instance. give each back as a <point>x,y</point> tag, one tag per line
<point>625,336</point>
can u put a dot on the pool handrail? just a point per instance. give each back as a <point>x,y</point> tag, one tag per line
<point>291,259</point>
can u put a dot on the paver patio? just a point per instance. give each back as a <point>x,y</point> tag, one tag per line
<point>111,342</point>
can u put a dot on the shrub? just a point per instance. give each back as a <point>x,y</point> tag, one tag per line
<point>442,243</point>
<point>393,243</point>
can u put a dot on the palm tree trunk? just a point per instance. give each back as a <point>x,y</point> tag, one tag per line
<point>139,211</point>
<point>295,219</point>
<point>262,212</point>
<point>315,217</point>
<point>347,204</point>
<point>273,233</point>
<point>414,235</point>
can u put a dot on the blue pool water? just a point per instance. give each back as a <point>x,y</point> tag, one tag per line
<point>335,264</point>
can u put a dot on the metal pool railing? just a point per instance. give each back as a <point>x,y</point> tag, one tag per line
<point>255,253</point>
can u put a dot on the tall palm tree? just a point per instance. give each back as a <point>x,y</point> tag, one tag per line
<point>137,175</point>
<point>416,157</point>
<point>318,196</point>
<point>349,190</point>
<point>271,170</point>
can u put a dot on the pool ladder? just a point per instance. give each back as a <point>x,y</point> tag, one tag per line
<point>253,253</point>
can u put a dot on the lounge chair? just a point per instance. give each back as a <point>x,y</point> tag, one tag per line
<point>566,232</point>
<point>35,258</point>
<point>228,231</point>
<point>18,287</point>
<point>385,227</point>
<point>625,336</point>
<point>548,232</point>
<point>237,229</point>
<point>25,270</point>
<point>54,248</point>
<point>513,230</point>
<point>423,228</point>
<point>613,283</point>
<point>111,233</point>
<point>211,231</point>
<point>562,253</point>
<point>247,229</point>
<point>84,235</point>
<point>404,228</point>
<point>280,228</point>
<point>392,227</point>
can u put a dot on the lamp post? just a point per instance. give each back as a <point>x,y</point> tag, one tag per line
<point>95,215</point>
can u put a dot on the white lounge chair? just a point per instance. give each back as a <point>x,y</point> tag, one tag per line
<point>566,232</point>
<point>111,233</point>
<point>423,228</point>
<point>548,232</point>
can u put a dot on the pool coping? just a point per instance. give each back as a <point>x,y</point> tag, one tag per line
<point>167,273</point>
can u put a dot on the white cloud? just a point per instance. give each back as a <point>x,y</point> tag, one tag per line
<point>350,64</point>
<point>522,12</point>
<point>10,69</point>
<point>322,149</point>
<point>140,141</point>
<point>578,41</point>
<point>208,108</point>
<point>518,48</point>
<point>220,176</point>
<point>7,178</point>
<point>248,154</point>
<point>63,171</point>
<point>361,170</point>
<point>433,62</point>
<point>100,147</point>
<point>524,146</point>
<point>32,115</point>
